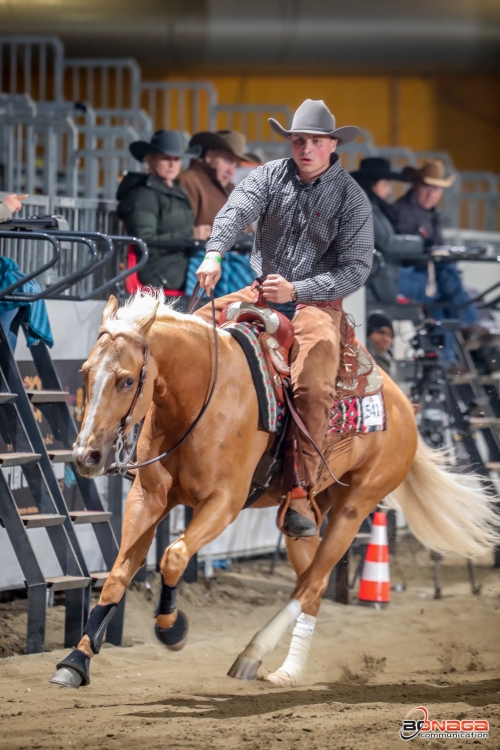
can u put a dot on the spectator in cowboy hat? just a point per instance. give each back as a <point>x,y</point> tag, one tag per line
<point>154,207</point>
<point>428,282</point>
<point>417,211</point>
<point>208,179</point>
<point>375,176</point>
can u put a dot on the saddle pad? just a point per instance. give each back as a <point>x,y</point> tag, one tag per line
<point>355,415</point>
<point>271,411</point>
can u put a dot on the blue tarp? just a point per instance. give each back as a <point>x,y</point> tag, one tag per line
<point>36,321</point>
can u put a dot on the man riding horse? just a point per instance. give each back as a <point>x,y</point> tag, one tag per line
<point>314,246</point>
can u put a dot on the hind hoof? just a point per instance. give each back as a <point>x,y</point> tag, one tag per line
<point>175,637</point>
<point>281,679</point>
<point>66,677</point>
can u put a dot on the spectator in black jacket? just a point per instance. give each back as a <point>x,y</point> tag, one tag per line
<point>375,177</point>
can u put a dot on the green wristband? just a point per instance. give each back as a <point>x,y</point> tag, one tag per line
<point>216,257</point>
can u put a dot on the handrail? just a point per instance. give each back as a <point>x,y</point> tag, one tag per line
<point>143,249</point>
<point>19,235</point>
<point>65,283</point>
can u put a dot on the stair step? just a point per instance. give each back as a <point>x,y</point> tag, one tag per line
<point>464,379</point>
<point>63,583</point>
<point>46,397</point>
<point>99,578</point>
<point>6,397</point>
<point>40,520</point>
<point>89,516</point>
<point>483,422</point>
<point>61,456</point>
<point>18,459</point>
<point>493,466</point>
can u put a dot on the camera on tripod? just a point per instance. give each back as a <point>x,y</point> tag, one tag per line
<point>430,337</point>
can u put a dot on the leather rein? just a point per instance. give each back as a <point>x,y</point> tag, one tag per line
<point>123,467</point>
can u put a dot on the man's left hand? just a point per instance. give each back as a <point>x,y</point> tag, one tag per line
<point>277,289</point>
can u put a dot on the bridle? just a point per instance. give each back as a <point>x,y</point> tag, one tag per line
<point>123,467</point>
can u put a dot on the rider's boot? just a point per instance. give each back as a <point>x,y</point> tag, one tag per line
<point>298,515</point>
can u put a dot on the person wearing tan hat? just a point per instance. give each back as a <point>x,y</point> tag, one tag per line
<point>208,181</point>
<point>313,246</point>
<point>428,282</point>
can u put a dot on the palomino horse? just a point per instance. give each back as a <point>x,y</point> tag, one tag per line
<point>212,470</point>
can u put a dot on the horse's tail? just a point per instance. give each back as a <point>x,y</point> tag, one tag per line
<point>447,511</point>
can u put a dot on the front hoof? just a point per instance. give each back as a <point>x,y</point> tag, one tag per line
<point>66,677</point>
<point>281,679</point>
<point>247,664</point>
<point>73,670</point>
<point>174,637</point>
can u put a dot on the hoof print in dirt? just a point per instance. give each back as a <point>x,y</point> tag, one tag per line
<point>174,637</point>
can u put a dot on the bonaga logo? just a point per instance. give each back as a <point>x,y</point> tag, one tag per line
<point>435,729</point>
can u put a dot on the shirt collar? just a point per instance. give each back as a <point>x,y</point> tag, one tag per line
<point>330,174</point>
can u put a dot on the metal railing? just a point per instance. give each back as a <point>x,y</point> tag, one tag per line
<point>53,146</point>
<point>188,106</point>
<point>106,83</point>
<point>84,216</point>
<point>32,65</point>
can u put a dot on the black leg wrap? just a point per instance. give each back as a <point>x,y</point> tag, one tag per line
<point>174,635</point>
<point>97,624</point>
<point>168,600</point>
<point>80,662</point>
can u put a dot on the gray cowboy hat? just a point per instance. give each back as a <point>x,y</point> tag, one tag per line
<point>313,117</point>
<point>167,142</point>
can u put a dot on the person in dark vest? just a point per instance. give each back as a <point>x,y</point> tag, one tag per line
<point>313,246</point>
<point>154,208</point>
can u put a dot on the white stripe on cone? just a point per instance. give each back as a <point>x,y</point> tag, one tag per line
<point>376,571</point>
<point>379,535</point>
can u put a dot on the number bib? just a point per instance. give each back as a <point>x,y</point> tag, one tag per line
<point>373,410</point>
<point>356,415</point>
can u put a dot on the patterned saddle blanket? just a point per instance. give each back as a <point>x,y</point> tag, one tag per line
<point>266,338</point>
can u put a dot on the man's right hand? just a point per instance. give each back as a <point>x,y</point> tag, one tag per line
<point>202,231</point>
<point>13,203</point>
<point>208,274</point>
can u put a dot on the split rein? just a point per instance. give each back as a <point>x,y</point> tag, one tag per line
<point>123,467</point>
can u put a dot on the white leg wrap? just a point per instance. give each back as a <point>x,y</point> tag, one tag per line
<point>267,638</point>
<point>292,670</point>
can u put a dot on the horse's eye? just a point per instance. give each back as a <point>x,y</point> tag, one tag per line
<point>129,382</point>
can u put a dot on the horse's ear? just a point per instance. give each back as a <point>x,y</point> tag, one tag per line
<point>110,309</point>
<point>146,323</point>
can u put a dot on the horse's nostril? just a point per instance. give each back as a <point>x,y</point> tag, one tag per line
<point>93,458</point>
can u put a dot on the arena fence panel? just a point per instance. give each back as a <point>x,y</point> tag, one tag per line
<point>32,65</point>
<point>188,106</point>
<point>106,83</point>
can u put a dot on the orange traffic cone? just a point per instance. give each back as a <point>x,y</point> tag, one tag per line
<point>375,585</point>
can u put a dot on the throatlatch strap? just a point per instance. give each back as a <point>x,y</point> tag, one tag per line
<point>168,600</point>
<point>97,624</point>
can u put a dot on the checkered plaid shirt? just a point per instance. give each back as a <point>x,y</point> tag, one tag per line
<point>319,236</point>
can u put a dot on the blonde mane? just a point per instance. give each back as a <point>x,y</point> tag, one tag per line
<point>142,305</point>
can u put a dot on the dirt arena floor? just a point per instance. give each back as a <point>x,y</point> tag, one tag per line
<point>367,669</point>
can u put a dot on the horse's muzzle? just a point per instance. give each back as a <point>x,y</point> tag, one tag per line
<point>90,461</point>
